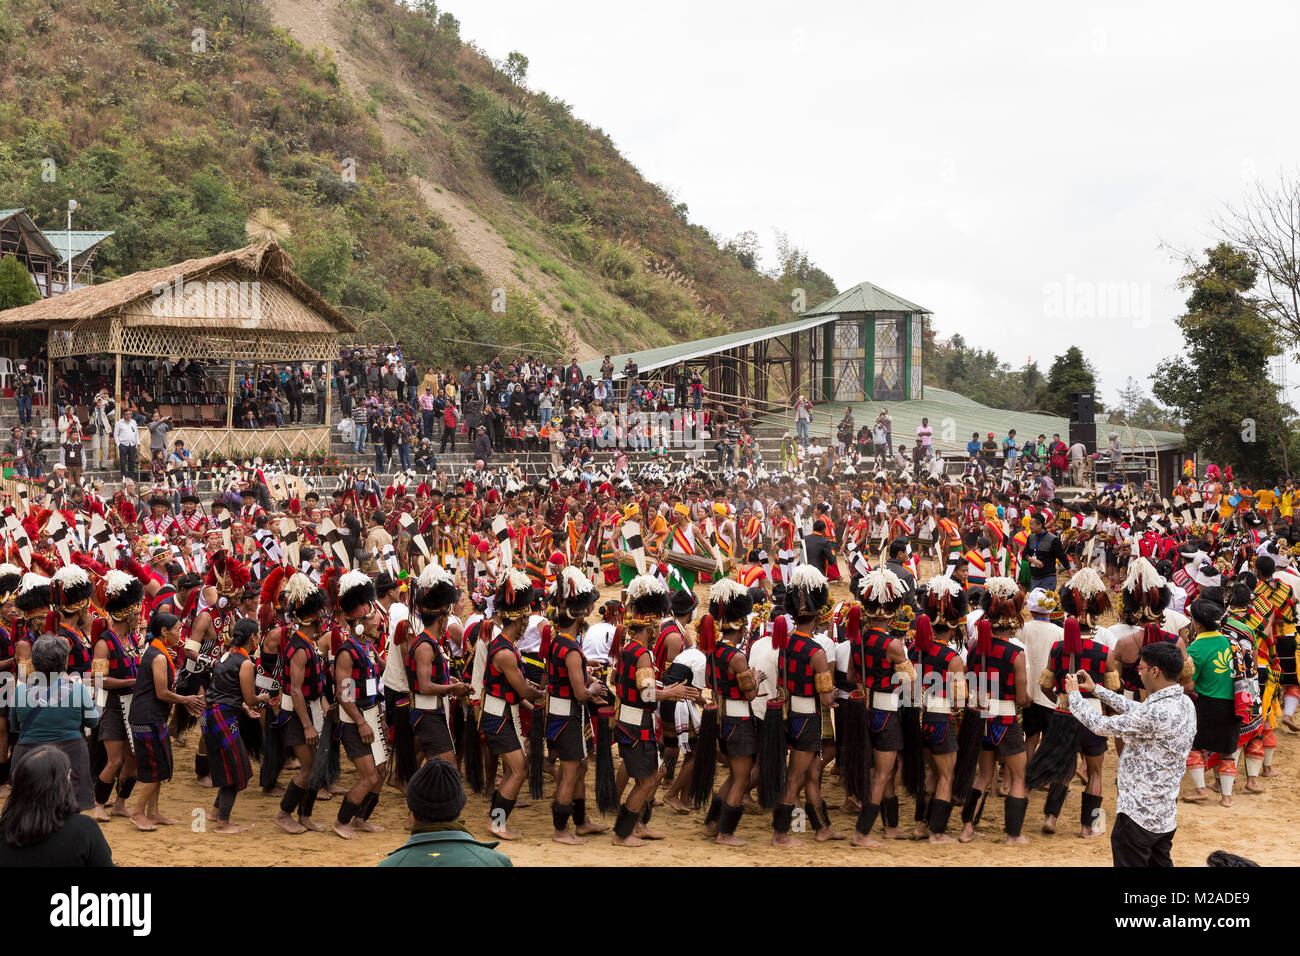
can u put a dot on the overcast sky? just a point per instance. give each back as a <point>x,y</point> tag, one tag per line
<point>1015,172</point>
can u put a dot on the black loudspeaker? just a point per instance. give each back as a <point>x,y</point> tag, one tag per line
<point>1085,432</point>
<point>1081,407</point>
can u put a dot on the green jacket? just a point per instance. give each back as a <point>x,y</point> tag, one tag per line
<point>445,848</point>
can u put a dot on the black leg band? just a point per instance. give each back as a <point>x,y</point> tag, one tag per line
<point>368,805</point>
<point>647,810</point>
<point>1015,815</point>
<point>124,787</point>
<point>308,803</point>
<point>867,818</point>
<point>1091,806</point>
<point>970,813</point>
<point>560,813</point>
<point>1055,799</point>
<point>103,791</point>
<point>292,798</point>
<point>715,811</point>
<point>781,817</point>
<point>579,811</point>
<point>729,819</point>
<point>922,806</point>
<point>625,823</point>
<point>814,817</point>
<point>347,810</point>
<point>889,810</point>
<point>200,765</point>
<point>940,810</point>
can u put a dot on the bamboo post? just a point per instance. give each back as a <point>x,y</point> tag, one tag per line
<point>117,397</point>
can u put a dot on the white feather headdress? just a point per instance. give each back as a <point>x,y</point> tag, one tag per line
<point>1086,583</point>
<point>432,575</point>
<point>71,576</point>
<point>297,589</point>
<point>1142,576</point>
<point>644,585</point>
<point>807,578</point>
<point>1002,587</point>
<point>115,581</point>
<point>881,586</point>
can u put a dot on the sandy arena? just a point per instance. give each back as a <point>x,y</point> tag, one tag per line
<point>1202,828</point>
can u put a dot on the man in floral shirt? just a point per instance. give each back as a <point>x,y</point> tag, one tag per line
<point>1157,735</point>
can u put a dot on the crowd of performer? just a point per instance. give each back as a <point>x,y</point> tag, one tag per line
<point>284,628</point>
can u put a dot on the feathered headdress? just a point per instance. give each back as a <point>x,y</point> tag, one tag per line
<point>807,592</point>
<point>435,589</point>
<point>11,576</point>
<point>945,602</point>
<point>33,593</point>
<point>226,574</point>
<point>730,604</point>
<point>1085,593</point>
<point>881,592</point>
<point>356,590</point>
<point>514,597</point>
<point>1144,595</point>
<point>648,602</point>
<point>301,598</point>
<point>71,588</point>
<point>123,594</point>
<point>1006,603</point>
<point>572,594</point>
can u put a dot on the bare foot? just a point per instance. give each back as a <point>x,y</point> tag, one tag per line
<point>851,806</point>
<point>1225,801</point>
<point>730,839</point>
<point>276,791</point>
<point>968,833</point>
<point>590,827</point>
<point>293,763</point>
<point>632,840</point>
<point>567,838</point>
<point>1199,795</point>
<point>288,824</point>
<point>1016,841</point>
<point>205,782</point>
<point>785,839</point>
<point>864,839</point>
<point>1252,785</point>
<point>344,830</point>
<point>826,833</point>
<point>120,810</point>
<point>894,833</point>
<point>312,825</point>
<point>232,827</point>
<point>325,794</point>
<point>161,820</point>
<point>1288,721</point>
<point>142,822</point>
<point>677,804</point>
<point>100,813</point>
<point>336,790</point>
<point>365,826</point>
<point>1088,833</point>
<point>646,833</point>
<point>940,838</point>
<point>920,831</point>
<point>1049,824</point>
<point>711,829</point>
<point>212,816</point>
<point>1268,772</point>
<point>504,832</point>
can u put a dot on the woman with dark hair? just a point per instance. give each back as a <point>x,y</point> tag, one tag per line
<point>233,693</point>
<point>40,825</point>
<point>53,709</point>
<point>1216,717</point>
<point>151,704</point>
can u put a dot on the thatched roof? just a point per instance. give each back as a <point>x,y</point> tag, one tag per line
<point>134,296</point>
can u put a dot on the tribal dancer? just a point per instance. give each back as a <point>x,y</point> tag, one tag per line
<point>877,656</point>
<point>733,685</point>
<point>569,695</point>
<point>233,702</point>
<point>999,666</point>
<point>805,677</point>
<point>356,689</point>
<point>943,686</point>
<point>302,679</point>
<point>116,660</point>
<point>637,686</point>
<point>503,688</point>
<point>428,669</point>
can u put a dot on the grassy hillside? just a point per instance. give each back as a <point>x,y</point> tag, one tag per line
<point>464,181</point>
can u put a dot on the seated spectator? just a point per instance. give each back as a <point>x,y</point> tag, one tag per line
<point>40,825</point>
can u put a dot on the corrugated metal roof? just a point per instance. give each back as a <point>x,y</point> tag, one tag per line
<point>865,297</point>
<point>954,417</point>
<point>82,240</point>
<point>8,213</point>
<point>25,222</point>
<point>649,359</point>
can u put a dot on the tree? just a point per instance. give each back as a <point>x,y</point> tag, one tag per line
<point>1070,372</point>
<point>516,68</point>
<point>1137,410</point>
<point>1219,387</point>
<point>16,286</point>
<point>745,248</point>
<point>1267,228</point>
<point>514,146</point>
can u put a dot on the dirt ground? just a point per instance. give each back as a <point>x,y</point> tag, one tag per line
<point>1247,828</point>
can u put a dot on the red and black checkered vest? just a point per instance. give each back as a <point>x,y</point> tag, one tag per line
<point>79,650</point>
<point>365,672</point>
<point>1092,660</point>
<point>439,669</point>
<point>625,672</point>
<point>557,674</point>
<point>934,661</point>
<point>1128,673</point>
<point>313,679</point>
<point>999,666</point>
<point>871,659</point>
<point>721,678</point>
<point>122,664</point>
<point>797,675</point>
<point>495,683</point>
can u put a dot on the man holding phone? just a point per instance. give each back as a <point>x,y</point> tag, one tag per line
<point>1157,734</point>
